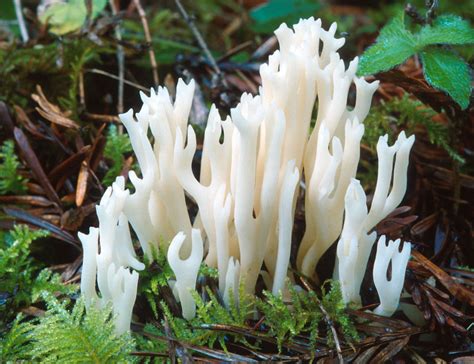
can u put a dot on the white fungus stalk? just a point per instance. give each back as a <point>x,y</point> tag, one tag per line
<point>89,264</point>
<point>290,181</point>
<point>232,278</point>
<point>389,290</point>
<point>221,218</point>
<point>123,290</point>
<point>186,270</point>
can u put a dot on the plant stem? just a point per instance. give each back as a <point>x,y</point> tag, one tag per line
<point>151,53</point>
<point>120,60</point>
<point>21,21</point>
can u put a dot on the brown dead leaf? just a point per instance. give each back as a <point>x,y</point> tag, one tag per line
<point>52,112</point>
<point>32,160</point>
<point>390,350</point>
<point>424,225</point>
<point>82,183</point>
<point>27,200</point>
<point>72,219</point>
<point>23,119</point>
<point>5,118</point>
<point>366,355</point>
<point>68,165</point>
<point>458,291</point>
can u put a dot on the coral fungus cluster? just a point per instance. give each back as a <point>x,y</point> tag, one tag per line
<point>253,164</point>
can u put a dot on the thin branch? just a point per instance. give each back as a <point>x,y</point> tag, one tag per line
<point>21,21</point>
<point>102,118</point>
<point>120,60</point>
<point>328,320</point>
<point>82,93</point>
<point>432,6</point>
<point>189,20</point>
<point>110,75</point>
<point>151,53</point>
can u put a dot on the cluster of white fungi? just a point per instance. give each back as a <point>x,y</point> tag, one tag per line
<point>252,167</point>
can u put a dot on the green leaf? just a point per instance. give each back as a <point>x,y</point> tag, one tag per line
<point>393,46</point>
<point>447,29</point>
<point>14,343</point>
<point>270,15</point>
<point>69,17</point>
<point>448,72</point>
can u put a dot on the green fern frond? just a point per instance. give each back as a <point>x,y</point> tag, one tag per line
<point>75,336</point>
<point>17,267</point>
<point>50,282</point>
<point>10,180</point>
<point>15,342</point>
<point>21,280</point>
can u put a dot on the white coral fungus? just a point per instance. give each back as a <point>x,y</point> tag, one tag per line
<point>246,193</point>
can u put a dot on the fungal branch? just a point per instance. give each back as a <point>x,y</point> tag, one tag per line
<point>252,163</point>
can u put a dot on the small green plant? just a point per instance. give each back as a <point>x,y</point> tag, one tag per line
<point>303,314</point>
<point>15,341</point>
<point>10,180</point>
<point>285,320</point>
<point>442,67</point>
<point>115,148</point>
<point>208,312</point>
<point>74,336</point>
<point>22,282</point>
<point>336,308</point>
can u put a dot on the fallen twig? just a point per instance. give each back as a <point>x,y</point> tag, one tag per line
<point>189,20</point>
<point>130,83</point>
<point>120,60</point>
<point>328,320</point>
<point>151,53</point>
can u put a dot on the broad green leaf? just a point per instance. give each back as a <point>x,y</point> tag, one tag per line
<point>446,71</point>
<point>392,47</point>
<point>269,16</point>
<point>69,17</point>
<point>447,29</point>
